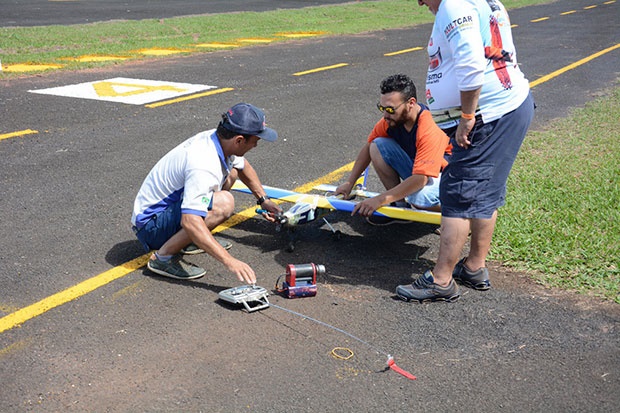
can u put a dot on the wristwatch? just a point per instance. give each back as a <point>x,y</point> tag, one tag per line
<point>262,199</point>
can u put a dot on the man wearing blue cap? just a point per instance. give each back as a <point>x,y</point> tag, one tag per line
<point>186,194</point>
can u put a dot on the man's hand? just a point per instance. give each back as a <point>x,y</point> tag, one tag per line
<point>242,270</point>
<point>462,132</point>
<point>367,207</point>
<point>272,208</point>
<point>344,189</point>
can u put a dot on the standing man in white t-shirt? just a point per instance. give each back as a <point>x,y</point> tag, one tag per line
<point>186,194</point>
<point>481,99</point>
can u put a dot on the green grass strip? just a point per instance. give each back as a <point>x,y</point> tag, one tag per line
<point>562,218</point>
<point>56,44</point>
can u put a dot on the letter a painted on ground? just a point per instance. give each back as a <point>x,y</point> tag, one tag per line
<point>124,90</point>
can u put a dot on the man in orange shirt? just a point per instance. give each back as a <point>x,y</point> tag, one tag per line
<point>407,150</point>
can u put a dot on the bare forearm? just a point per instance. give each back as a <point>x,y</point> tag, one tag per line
<point>469,101</point>
<point>249,177</point>
<point>410,185</point>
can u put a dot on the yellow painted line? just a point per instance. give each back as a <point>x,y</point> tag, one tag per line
<point>300,34</point>
<point>539,20</point>
<point>218,45</point>
<point>28,67</point>
<point>21,316</point>
<point>413,49</point>
<point>610,2</point>
<point>572,66</point>
<point>568,12</point>
<point>590,7</point>
<point>237,219</point>
<point>17,134</point>
<point>71,293</point>
<point>161,52</point>
<point>109,89</point>
<point>189,97</point>
<point>255,40</point>
<point>320,69</point>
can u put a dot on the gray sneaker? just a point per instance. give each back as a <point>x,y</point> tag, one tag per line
<point>424,289</point>
<point>176,268</point>
<point>192,249</point>
<point>478,280</point>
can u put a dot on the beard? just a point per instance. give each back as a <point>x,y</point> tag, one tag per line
<point>395,121</point>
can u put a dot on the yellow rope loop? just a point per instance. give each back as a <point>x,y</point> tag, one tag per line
<point>342,349</point>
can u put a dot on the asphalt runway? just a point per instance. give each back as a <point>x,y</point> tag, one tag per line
<point>144,343</point>
<point>50,12</point>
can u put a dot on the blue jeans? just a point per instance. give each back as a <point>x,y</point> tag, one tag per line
<point>397,159</point>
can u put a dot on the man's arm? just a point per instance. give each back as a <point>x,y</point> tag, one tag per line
<point>469,103</point>
<point>250,178</point>
<point>197,230</point>
<point>361,163</point>
<point>363,158</point>
<point>410,185</point>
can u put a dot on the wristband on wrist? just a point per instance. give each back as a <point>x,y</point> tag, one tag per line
<point>468,116</point>
<point>262,199</point>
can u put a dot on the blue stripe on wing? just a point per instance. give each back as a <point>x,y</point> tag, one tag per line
<point>344,205</point>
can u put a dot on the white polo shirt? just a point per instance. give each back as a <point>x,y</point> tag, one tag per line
<point>191,172</point>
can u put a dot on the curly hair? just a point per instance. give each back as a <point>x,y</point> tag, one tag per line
<point>399,83</point>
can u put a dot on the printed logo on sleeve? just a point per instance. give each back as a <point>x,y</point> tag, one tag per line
<point>465,22</point>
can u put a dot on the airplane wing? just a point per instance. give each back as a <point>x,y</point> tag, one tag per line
<point>354,192</point>
<point>337,204</point>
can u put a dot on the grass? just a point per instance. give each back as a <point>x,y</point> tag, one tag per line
<point>562,220</point>
<point>58,44</point>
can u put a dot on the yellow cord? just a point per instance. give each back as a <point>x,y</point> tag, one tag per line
<point>338,356</point>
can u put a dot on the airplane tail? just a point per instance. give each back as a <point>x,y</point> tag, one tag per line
<point>361,183</point>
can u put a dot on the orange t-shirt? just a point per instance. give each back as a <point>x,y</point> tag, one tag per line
<point>426,144</point>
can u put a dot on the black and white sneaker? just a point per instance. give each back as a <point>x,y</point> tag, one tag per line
<point>478,280</point>
<point>424,290</point>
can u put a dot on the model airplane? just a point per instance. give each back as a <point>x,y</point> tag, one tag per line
<point>310,207</point>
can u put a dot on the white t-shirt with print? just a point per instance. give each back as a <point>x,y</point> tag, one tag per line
<point>457,62</point>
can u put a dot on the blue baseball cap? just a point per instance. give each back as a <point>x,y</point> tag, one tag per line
<point>247,119</point>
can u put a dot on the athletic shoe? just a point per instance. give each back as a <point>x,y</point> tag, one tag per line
<point>478,280</point>
<point>176,268</point>
<point>192,249</point>
<point>380,221</point>
<point>424,289</point>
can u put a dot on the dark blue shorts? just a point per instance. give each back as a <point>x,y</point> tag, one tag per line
<point>160,228</point>
<point>473,185</point>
